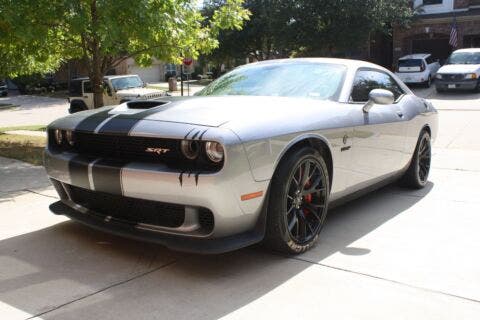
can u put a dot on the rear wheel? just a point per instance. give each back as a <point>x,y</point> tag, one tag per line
<point>417,174</point>
<point>298,202</point>
<point>428,83</point>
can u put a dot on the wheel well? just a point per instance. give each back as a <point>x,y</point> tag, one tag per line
<point>427,128</point>
<point>318,145</point>
<point>77,105</point>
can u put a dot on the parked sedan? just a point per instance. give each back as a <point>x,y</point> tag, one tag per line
<point>418,68</point>
<point>253,157</point>
<point>460,72</point>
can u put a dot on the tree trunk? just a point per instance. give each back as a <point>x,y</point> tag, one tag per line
<point>96,72</point>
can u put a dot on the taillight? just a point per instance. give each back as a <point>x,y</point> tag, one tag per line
<point>423,67</point>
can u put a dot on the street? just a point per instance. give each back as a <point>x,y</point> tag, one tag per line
<point>394,254</point>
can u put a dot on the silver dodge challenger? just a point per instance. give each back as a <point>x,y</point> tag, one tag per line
<point>259,155</point>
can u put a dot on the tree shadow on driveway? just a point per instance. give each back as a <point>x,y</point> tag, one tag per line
<point>98,275</point>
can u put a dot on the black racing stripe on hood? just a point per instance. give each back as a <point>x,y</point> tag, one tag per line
<point>78,168</point>
<point>90,123</point>
<point>124,123</point>
<point>106,176</point>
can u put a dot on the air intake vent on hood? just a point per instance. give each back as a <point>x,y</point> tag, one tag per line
<point>145,104</point>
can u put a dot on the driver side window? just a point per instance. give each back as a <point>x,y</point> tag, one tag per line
<point>368,80</point>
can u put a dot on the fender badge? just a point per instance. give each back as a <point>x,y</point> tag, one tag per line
<point>158,151</point>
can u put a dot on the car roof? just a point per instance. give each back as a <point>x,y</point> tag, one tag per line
<point>468,50</point>
<point>107,77</point>
<point>345,62</point>
<point>416,56</point>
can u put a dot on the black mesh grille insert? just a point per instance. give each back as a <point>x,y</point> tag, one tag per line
<point>129,210</point>
<point>206,220</point>
<point>128,148</point>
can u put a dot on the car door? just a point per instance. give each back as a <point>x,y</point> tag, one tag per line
<point>379,140</point>
<point>88,94</point>
<point>109,97</point>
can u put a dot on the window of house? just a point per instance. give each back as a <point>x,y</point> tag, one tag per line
<point>429,2</point>
<point>368,80</point>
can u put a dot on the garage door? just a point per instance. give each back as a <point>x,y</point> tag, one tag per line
<point>149,75</point>
<point>439,48</point>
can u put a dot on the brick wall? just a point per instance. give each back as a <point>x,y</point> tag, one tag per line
<point>402,37</point>
<point>461,4</point>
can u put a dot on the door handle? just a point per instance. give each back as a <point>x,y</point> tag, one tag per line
<point>400,114</point>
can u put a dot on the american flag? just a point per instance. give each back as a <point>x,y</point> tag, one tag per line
<point>454,34</point>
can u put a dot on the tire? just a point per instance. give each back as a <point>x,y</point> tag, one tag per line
<point>416,176</point>
<point>298,202</point>
<point>428,83</point>
<point>77,106</point>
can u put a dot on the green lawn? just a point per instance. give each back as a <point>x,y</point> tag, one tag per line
<point>24,148</point>
<point>29,128</point>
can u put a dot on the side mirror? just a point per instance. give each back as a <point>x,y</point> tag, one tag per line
<point>379,96</point>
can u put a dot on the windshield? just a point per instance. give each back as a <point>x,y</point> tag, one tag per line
<point>127,83</point>
<point>464,58</point>
<point>406,63</point>
<point>321,81</point>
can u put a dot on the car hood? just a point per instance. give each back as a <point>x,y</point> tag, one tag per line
<point>459,68</point>
<point>247,116</point>
<point>218,111</point>
<point>137,92</point>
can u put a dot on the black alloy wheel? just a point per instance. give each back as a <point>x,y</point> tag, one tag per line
<point>298,202</point>
<point>305,201</point>
<point>417,174</point>
<point>424,158</point>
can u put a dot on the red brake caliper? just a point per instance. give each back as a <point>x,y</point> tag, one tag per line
<point>307,198</point>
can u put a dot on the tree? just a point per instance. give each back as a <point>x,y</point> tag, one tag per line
<point>39,35</point>
<point>283,28</point>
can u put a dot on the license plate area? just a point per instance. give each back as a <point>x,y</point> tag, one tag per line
<point>452,86</point>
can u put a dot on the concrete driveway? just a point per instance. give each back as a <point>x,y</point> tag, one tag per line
<point>32,110</point>
<point>395,254</point>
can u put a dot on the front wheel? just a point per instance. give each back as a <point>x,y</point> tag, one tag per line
<point>298,202</point>
<point>417,174</point>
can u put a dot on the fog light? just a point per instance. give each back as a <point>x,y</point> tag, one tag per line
<point>58,136</point>
<point>214,151</point>
<point>190,149</point>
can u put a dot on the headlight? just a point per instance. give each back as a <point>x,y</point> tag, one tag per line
<point>58,136</point>
<point>190,149</point>
<point>439,76</point>
<point>70,137</point>
<point>214,151</point>
<point>471,76</point>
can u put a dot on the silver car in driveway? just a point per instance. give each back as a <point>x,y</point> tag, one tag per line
<point>258,155</point>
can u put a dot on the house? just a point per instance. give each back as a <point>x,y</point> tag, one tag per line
<point>159,71</point>
<point>430,32</point>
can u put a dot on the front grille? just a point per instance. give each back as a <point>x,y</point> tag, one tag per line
<point>127,148</point>
<point>129,210</point>
<point>453,77</point>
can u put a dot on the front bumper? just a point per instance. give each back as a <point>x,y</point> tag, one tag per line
<point>220,193</point>
<point>179,243</point>
<point>456,85</point>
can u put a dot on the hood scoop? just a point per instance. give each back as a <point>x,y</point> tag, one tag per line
<point>145,104</point>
